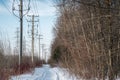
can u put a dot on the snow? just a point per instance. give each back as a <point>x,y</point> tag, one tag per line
<point>46,73</point>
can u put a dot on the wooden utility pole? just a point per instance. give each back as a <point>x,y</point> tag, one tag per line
<point>33,34</point>
<point>21,29</point>
<point>24,46</point>
<point>39,38</point>
<point>45,55</point>
<point>20,16</point>
<point>32,38</point>
<point>17,40</point>
<point>43,46</point>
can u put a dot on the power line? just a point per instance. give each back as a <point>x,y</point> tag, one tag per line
<point>26,6</point>
<point>36,7</point>
<point>14,8</point>
<point>6,7</point>
<point>31,9</point>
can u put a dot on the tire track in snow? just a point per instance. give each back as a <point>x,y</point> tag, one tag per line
<point>58,78</point>
<point>44,75</point>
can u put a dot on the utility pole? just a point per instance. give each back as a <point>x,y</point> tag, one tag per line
<point>45,55</point>
<point>39,38</point>
<point>17,40</point>
<point>21,29</point>
<point>33,34</point>
<point>24,46</point>
<point>20,16</point>
<point>17,36</point>
<point>32,38</point>
<point>43,46</point>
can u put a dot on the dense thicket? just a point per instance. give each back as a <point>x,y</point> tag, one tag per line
<point>87,38</point>
<point>9,64</point>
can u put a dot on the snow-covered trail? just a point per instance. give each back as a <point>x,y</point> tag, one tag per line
<point>45,73</point>
<point>48,73</point>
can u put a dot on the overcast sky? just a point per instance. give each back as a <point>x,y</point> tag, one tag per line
<point>47,17</point>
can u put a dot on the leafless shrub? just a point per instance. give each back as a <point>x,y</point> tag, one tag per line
<point>87,37</point>
<point>9,64</point>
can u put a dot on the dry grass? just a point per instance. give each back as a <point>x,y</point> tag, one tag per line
<point>14,69</point>
<point>9,63</point>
